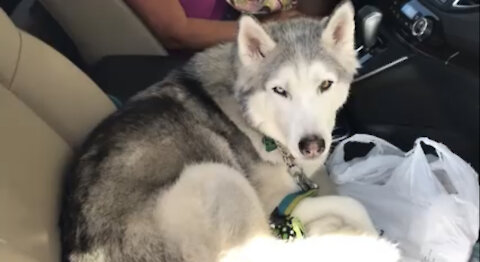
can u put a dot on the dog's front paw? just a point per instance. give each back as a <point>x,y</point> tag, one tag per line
<point>330,224</point>
<point>331,214</point>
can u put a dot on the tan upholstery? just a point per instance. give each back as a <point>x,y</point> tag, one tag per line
<point>60,94</point>
<point>103,27</point>
<point>32,159</point>
<point>47,107</point>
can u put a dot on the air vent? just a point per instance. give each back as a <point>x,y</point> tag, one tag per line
<point>465,3</point>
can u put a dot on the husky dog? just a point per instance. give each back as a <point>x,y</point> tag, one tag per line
<point>180,172</point>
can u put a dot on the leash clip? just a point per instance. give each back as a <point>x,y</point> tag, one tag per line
<point>301,179</point>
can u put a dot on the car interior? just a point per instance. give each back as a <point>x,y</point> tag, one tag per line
<point>66,65</point>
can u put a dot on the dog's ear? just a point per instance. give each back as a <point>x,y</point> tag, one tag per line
<point>339,34</point>
<point>253,41</point>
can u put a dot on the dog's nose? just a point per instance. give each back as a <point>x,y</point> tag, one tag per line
<point>311,146</point>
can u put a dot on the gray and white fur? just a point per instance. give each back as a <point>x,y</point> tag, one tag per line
<point>179,173</point>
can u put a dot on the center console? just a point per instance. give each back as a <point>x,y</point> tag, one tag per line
<point>415,80</point>
<point>419,27</point>
<point>408,28</point>
<point>415,21</point>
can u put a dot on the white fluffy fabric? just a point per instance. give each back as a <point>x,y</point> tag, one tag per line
<point>329,248</point>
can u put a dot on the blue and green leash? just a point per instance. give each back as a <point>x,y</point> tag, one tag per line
<point>282,223</point>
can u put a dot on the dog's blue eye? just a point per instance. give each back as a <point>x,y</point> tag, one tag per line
<point>280,91</point>
<point>325,85</point>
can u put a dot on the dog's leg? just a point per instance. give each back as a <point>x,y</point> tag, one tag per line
<point>211,208</point>
<point>329,214</point>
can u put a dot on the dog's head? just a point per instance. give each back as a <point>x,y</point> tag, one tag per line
<point>294,76</point>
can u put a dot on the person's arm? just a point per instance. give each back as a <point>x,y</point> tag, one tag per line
<point>167,19</point>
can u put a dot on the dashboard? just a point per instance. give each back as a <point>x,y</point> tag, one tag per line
<point>440,28</point>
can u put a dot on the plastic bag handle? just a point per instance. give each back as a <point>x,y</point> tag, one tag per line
<point>441,150</point>
<point>455,166</point>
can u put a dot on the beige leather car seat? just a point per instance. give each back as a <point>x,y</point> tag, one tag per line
<point>103,27</point>
<point>47,107</point>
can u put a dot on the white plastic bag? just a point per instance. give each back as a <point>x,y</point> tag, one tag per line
<point>428,204</point>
